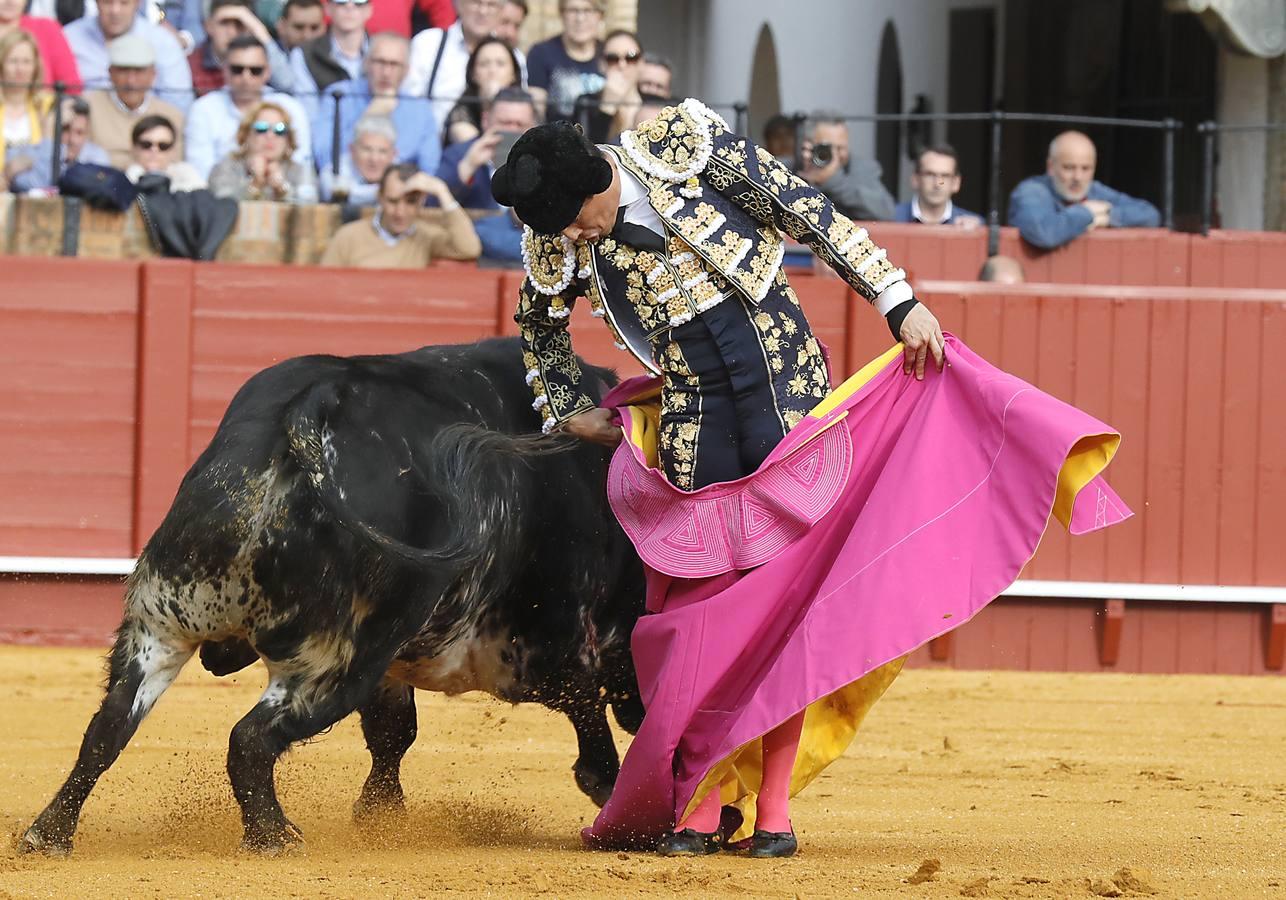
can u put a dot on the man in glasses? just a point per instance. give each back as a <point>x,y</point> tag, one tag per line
<point>376,95</point>
<point>440,58</point>
<point>566,66</point>
<point>936,180</point>
<point>211,132</point>
<point>28,168</point>
<point>89,36</point>
<point>337,55</point>
<point>228,20</point>
<point>114,113</point>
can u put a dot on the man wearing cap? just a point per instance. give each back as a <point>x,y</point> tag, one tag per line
<point>676,238</point>
<point>132,70</point>
<point>89,36</point>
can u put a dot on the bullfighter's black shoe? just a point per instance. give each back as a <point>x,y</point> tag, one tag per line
<point>689,842</point>
<point>773,844</point>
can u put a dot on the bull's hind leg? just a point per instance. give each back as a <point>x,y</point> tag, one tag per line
<point>388,723</point>
<point>140,668</point>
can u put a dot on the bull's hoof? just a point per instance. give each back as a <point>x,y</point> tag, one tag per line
<point>36,841</point>
<point>594,785</point>
<point>273,840</point>
<point>374,805</point>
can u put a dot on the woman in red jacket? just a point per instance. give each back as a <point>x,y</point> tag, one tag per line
<point>56,57</point>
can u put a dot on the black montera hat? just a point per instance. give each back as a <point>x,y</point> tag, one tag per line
<point>551,171</point>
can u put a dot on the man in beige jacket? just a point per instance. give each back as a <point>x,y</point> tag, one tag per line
<point>397,237</point>
<point>113,113</point>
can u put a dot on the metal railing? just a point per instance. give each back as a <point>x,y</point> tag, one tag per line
<point>1210,132</point>
<point>996,119</point>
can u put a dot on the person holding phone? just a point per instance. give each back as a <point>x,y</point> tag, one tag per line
<point>467,167</point>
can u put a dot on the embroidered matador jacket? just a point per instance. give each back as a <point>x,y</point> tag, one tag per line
<point>713,314</point>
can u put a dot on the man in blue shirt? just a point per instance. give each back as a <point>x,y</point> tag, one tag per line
<point>936,180</point>
<point>377,95</point>
<point>1053,209</point>
<point>88,38</point>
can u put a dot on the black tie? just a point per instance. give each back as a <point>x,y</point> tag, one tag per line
<point>636,236</point>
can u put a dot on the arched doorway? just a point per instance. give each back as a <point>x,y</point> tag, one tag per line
<point>765,85</point>
<point>888,99</point>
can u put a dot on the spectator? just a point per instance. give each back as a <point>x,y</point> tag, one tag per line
<point>1002,270</point>
<point>372,150</point>
<point>509,21</point>
<point>261,167</point>
<point>440,59</point>
<point>113,114</point>
<point>853,185</point>
<point>936,180</point>
<point>566,66</point>
<point>394,238</point>
<point>607,112</point>
<point>656,76</point>
<point>29,169</point>
<point>376,95</point>
<point>1053,209</point>
<point>228,20</point>
<point>90,35</point>
<point>154,151</point>
<point>214,120</point>
<point>466,168</point>
<point>301,21</point>
<point>56,59</point>
<point>492,67</point>
<point>779,139</point>
<point>337,55</point>
<point>181,18</point>
<point>23,101</point>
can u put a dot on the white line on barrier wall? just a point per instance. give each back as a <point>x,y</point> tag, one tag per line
<point>1074,590</point>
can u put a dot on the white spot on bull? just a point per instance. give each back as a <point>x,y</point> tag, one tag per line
<point>469,663</point>
<point>160,663</point>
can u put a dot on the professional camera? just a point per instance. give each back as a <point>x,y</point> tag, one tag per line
<point>822,155</point>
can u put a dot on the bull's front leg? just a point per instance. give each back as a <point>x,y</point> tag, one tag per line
<point>389,726</point>
<point>597,763</point>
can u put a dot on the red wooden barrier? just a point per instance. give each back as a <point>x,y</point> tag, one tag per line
<point>1249,259</point>
<point>122,372</point>
<point>1136,256</point>
<point>67,421</point>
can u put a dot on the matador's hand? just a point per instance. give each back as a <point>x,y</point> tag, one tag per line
<point>594,425</point>
<point>921,334</point>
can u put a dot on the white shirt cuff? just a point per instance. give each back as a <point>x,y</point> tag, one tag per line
<point>892,295</point>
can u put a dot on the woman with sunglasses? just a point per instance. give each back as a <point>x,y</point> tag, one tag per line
<point>605,113</point>
<point>152,144</point>
<point>261,168</point>
<point>492,67</point>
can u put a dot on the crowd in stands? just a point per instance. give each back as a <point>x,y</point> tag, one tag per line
<point>384,107</point>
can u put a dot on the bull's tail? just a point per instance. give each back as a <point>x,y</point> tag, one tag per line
<point>470,471</point>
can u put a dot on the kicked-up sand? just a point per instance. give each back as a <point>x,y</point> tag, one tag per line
<point>975,784</point>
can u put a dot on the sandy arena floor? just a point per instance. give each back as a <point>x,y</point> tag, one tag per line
<point>1021,785</point>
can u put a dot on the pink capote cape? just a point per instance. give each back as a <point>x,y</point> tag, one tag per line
<point>947,486</point>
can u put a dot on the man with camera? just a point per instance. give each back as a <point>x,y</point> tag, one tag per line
<point>853,185</point>
<point>467,168</point>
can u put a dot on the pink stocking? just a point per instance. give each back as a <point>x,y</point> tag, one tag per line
<point>705,818</point>
<point>780,746</point>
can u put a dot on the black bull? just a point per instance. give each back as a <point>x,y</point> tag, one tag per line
<point>351,525</point>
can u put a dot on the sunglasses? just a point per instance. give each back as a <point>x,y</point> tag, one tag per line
<point>613,59</point>
<point>163,146</point>
<point>350,2</point>
<point>277,128</point>
<point>256,71</point>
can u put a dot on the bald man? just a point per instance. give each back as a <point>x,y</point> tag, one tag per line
<point>1054,209</point>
